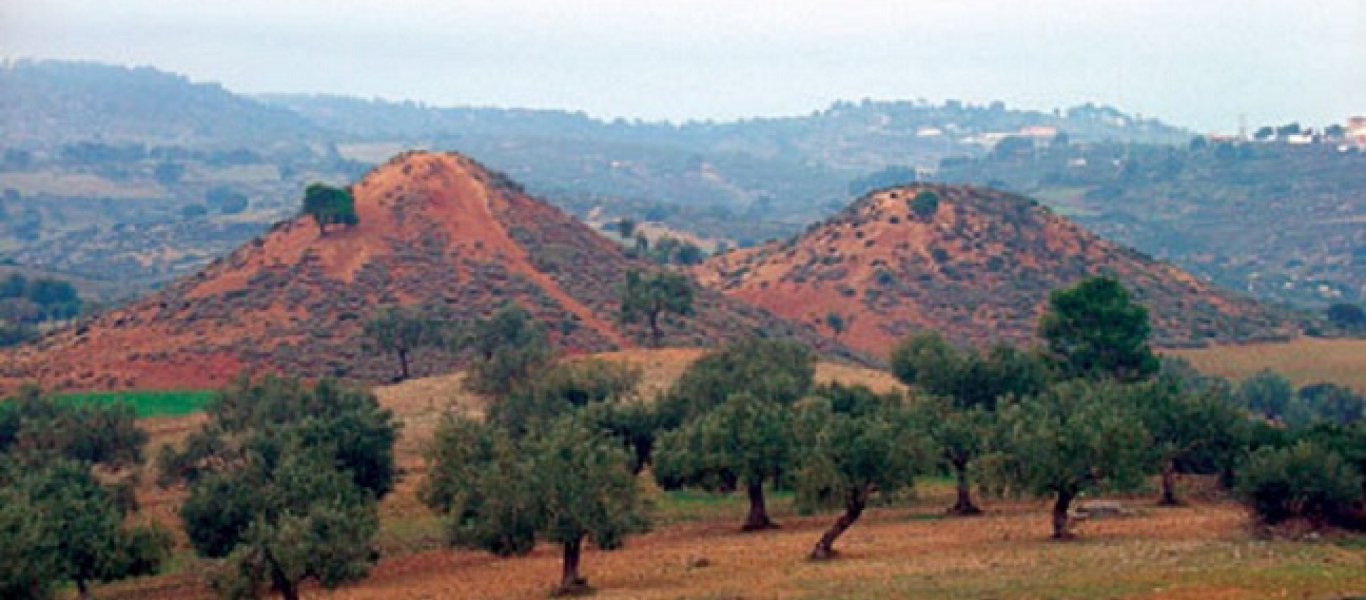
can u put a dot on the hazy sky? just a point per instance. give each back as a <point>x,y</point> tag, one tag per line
<point>1199,63</point>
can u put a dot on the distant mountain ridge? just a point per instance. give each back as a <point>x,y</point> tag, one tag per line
<point>45,103</point>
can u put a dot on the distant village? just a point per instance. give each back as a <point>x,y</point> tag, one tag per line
<point>1348,137</point>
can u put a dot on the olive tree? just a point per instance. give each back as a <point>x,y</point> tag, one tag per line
<point>284,482</point>
<point>58,520</point>
<point>561,388</point>
<point>776,370</point>
<point>648,297</point>
<point>843,458</point>
<point>963,388</point>
<point>1193,430</point>
<point>566,484</point>
<point>1076,436</point>
<point>400,331</point>
<point>59,523</point>
<point>745,440</point>
<point>508,347</point>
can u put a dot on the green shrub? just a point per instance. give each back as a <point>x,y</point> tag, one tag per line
<point>1301,481</point>
<point>925,204</point>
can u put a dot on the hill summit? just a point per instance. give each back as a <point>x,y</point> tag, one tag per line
<point>975,264</point>
<point>434,229</point>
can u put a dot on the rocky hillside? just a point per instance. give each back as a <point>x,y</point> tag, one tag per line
<point>434,229</point>
<point>974,263</point>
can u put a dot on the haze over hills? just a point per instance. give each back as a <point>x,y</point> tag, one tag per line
<point>435,229</point>
<point>133,202</point>
<point>974,264</point>
<point>44,104</point>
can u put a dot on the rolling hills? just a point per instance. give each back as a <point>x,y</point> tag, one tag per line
<point>435,229</point>
<point>973,263</point>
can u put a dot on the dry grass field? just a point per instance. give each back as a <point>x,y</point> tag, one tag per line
<point>1304,361</point>
<point>911,550</point>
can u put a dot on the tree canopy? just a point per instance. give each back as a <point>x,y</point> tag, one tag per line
<point>329,206</point>
<point>1094,329</point>
<point>284,482</point>
<point>508,347</point>
<point>775,370</point>
<point>647,297</point>
<point>402,330</point>
<point>565,483</point>
<point>744,440</point>
<point>58,521</point>
<point>1077,436</point>
<point>843,458</point>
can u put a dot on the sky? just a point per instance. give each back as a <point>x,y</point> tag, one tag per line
<point>1199,63</point>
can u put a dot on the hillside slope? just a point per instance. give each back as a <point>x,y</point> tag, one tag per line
<point>978,268</point>
<point>434,229</point>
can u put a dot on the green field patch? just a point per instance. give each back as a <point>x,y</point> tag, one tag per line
<point>176,403</point>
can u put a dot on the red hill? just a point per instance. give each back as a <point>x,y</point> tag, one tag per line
<point>979,269</point>
<point>434,229</point>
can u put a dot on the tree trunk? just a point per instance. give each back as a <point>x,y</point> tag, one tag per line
<point>964,505</point>
<point>82,587</point>
<point>655,334</point>
<point>1060,518</point>
<point>403,365</point>
<point>853,508</point>
<point>1169,485</point>
<point>288,589</point>
<point>758,511</point>
<point>322,229</point>
<point>570,582</point>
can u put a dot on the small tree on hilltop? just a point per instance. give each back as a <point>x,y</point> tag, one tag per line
<point>1094,330</point>
<point>566,484</point>
<point>400,331</point>
<point>329,206</point>
<point>1077,436</point>
<point>649,296</point>
<point>843,458</point>
<point>745,440</point>
<point>925,204</point>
